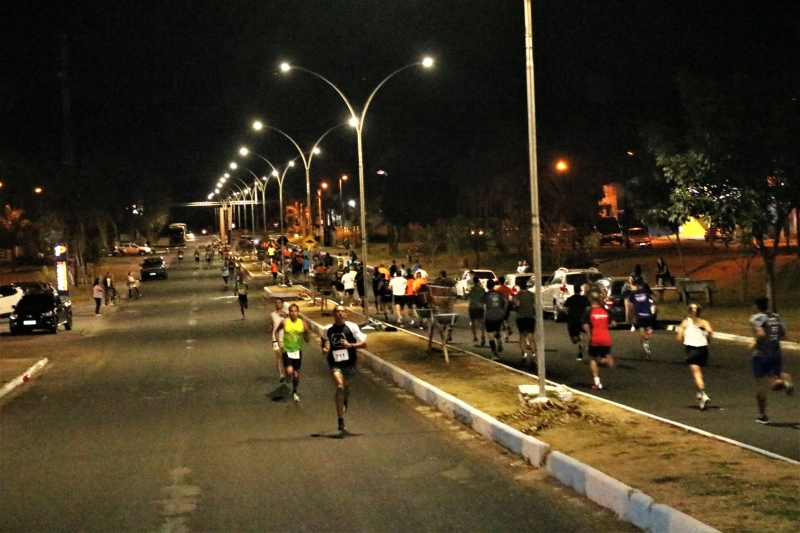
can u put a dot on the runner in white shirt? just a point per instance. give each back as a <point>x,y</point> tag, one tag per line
<point>398,287</point>
<point>276,336</point>
<point>349,282</point>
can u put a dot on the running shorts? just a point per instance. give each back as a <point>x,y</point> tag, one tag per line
<point>289,361</point>
<point>476,313</point>
<point>400,300</point>
<point>493,326</point>
<point>574,328</point>
<point>645,322</point>
<point>697,355</point>
<point>243,299</point>
<point>767,366</point>
<point>526,325</point>
<point>599,351</point>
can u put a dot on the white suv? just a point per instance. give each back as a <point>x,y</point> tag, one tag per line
<point>9,296</point>
<point>562,286</point>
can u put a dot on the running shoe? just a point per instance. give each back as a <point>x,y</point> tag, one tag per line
<point>762,419</point>
<point>597,386</point>
<point>698,395</point>
<point>704,399</point>
<point>295,397</point>
<point>499,346</point>
<point>633,328</point>
<point>646,346</point>
<point>495,358</point>
<point>580,357</point>
<point>788,386</point>
<point>342,428</point>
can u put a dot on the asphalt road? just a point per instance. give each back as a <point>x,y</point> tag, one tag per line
<point>168,419</point>
<point>662,385</point>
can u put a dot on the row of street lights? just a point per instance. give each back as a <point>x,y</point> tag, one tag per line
<point>357,122</point>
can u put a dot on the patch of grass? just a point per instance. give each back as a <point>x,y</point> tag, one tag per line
<point>666,479</point>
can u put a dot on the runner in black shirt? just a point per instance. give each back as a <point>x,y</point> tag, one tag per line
<point>577,305</point>
<point>340,341</point>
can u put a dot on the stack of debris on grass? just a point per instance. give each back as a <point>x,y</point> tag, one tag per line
<point>533,418</point>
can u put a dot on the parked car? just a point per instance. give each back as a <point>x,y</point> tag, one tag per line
<point>639,237</point>
<point>153,268</point>
<point>561,287</point>
<point>464,284</point>
<point>610,231</point>
<point>130,248</point>
<point>34,286</point>
<point>524,281</point>
<point>40,310</point>
<point>613,300</point>
<point>9,296</point>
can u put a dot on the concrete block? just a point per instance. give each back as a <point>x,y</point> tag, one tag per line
<point>508,437</point>
<point>608,492</point>
<point>483,423</point>
<point>665,519</point>
<point>568,471</point>
<point>639,509</point>
<point>534,450</point>
<point>463,413</point>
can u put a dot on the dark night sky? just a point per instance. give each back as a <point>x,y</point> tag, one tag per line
<point>171,86</point>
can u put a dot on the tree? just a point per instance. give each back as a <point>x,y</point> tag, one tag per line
<point>736,160</point>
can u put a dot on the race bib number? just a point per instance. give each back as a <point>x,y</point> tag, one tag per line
<point>340,355</point>
<point>293,355</point>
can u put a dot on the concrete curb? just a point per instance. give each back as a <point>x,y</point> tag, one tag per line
<point>786,345</point>
<point>24,377</point>
<point>629,504</point>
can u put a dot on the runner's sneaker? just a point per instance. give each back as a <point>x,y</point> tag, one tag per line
<point>704,399</point>
<point>788,387</point>
<point>633,328</point>
<point>580,356</point>
<point>698,395</point>
<point>342,428</point>
<point>646,346</point>
<point>762,419</point>
<point>296,397</point>
<point>597,386</point>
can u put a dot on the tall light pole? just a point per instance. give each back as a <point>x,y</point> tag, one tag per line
<point>280,199</point>
<point>341,198</point>
<point>244,152</point>
<point>259,125</point>
<point>245,192</point>
<point>357,121</point>
<point>256,185</point>
<point>534,179</point>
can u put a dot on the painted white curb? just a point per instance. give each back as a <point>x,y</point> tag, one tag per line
<point>22,378</point>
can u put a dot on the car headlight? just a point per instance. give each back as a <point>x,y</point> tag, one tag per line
<point>48,313</point>
<point>13,317</point>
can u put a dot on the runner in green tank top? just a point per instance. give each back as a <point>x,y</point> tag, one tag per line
<point>295,335</point>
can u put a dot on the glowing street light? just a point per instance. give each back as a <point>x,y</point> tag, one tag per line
<point>357,121</point>
<point>562,165</point>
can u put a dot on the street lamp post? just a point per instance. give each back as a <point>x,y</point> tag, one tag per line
<point>280,200</point>
<point>258,126</point>
<point>244,152</point>
<point>341,198</point>
<point>534,181</point>
<point>256,184</point>
<point>358,122</point>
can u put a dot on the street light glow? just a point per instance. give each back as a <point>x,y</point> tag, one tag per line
<point>38,190</point>
<point>351,203</point>
<point>257,125</point>
<point>353,122</point>
<point>344,177</point>
<point>286,67</point>
<point>561,165</point>
<point>324,185</point>
<point>210,196</point>
<point>226,175</point>
<point>275,173</point>
<point>243,151</point>
<point>233,165</point>
<point>427,62</point>
<point>316,150</point>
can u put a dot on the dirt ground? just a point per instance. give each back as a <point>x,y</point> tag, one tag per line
<point>724,486</point>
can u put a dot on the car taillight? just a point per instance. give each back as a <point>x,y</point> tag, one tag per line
<point>564,289</point>
<point>609,302</point>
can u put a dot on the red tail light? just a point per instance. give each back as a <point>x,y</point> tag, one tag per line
<point>609,302</point>
<point>564,289</point>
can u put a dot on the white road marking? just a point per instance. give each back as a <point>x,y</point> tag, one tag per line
<point>180,499</point>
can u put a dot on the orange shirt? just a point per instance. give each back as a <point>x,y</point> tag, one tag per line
<point>384,271</point>
<point>419,282</point>
<point>507,292</point>
<point>410,287</point>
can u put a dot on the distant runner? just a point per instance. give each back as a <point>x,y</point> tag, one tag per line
<point>276,317</point>
<point>769,329</point>
<point>295,334</point>
<point>694,333</point>
<point>596,324</point>
<point>643,313</point>
<point>577,305</point>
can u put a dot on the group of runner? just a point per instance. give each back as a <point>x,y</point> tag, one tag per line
<point>339,341</point>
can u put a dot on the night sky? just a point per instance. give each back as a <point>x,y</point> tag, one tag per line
<point>170,87</point>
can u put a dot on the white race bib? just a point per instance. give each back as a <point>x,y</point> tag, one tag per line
<point>340,355</point>
<point>293,355</point>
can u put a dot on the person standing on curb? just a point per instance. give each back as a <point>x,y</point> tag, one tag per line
<point>276,317</point>
<point>341,340</point>
<point>596,325</point>
<point>108,283</point>
<point>97,294</point>
<point>241,292</point>
<point>694,333</point>
<point>476,312</point>
<point>768,330</point>
<point>293,333</point>
<point>577,305</point>
<point>525,304</point>
<point>494,303</point>
<point>133,287</point>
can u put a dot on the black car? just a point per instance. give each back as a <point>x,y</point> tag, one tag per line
<point>610,231</point>
<point>40,310</point>
<point>153,268</point>
<point>613,301</point>
<point>34,286</point>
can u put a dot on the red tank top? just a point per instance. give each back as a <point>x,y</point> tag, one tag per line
<point>598,320</point>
